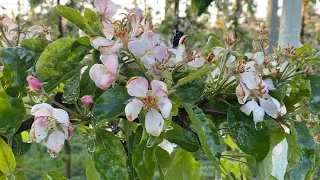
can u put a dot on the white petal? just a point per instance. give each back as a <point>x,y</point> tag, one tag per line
<point>151,38</point>
<point>231,59</point>
<point>159,89</point>
<point>55,142</point>
<point>138,48</point>
<point>61,116</point>
<point>112,49</point>
<point>97,42</point>
<point>197,62</point>
<point>216,51</point>
<point>259,57</point>
<point>258,113</point>
<point>249,55</point>
<point>42,109</point>
<point>137,86</point>
<point>133,109</point>
<point>112,9</point>
<point>269,83</point>
<point>250,79</point>
<point>166,145</point>
<point>39,129</point>
<point>165,106</point>
<point>248,107</point>
<point>148,61</point>
<point>269,106</point>
<point>277,149</point>
<point>154,122</point>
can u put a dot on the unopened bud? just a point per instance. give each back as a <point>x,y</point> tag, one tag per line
<point>34,83</point>
<point>87,101</point>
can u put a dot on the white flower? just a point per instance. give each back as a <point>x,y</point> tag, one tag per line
<point>158,100</point>
<point>50,120</point>
<point>177,54</point>
<point>166,145</point>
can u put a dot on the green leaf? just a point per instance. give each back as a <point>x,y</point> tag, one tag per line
<point>206,131</point>
<point>315,94</point>
<point>72,89</point>
<point>109,156</point>
<point>80,48</point>
<point>195,75</point>
<point>54,175</point>
<point>212,42</point>
<point>76,18</point>
<point>20,175</point>
<point>12,112</point>
<point>53,65</point>
<point>16,62</point>
<point>133,141</point>
<point>293,149</point>
<point>19,147</point>
<point>192,91</point>
<point>248,138</point>
<point>308,154</point>
<point>7,160</point>
<point>184,167</point>
<point>36,45</point>
<point>200,5</point>
<point>186,139</point>
<point>90,16</point>
<point>163,160</point>
<point>91,172</point>
<point>264,168</point>
<point>111,103</point>
<point>304,48</point>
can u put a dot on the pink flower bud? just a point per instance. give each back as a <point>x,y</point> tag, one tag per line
<point>138,12</point>
<point>87,101</point>
<point>34,83</point>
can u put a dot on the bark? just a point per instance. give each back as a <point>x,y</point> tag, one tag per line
<point>176,14</point>
<point>60,27</point>
<point>272,23</point>
<point>67,149</point>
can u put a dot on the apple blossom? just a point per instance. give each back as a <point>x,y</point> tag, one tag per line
<point>177,54</point>
<point>87,101</point>
<point>10,32</point>
<point>105,46</point>
<point>106,8</point>
<point>135,17</point>
<point>36,31</point>
<point>158,101</point>
<point>34,83</point>
<point>166,145</point>
<point>50,120</point>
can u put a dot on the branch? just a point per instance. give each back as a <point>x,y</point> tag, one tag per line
<point>214,112</point>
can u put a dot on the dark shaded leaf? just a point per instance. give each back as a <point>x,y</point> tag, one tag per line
<point>163,160</point>
<point>36,45</point>
<point>192,91</point>
<point>315,94</point>
<point>71,90</point>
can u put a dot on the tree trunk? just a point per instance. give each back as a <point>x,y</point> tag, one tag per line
<point>304,6</point>
<point>272,20</point>
<point>290,23</point>
<point>176,14</point>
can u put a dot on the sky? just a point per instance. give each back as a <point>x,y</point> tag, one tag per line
<point>157,5</point>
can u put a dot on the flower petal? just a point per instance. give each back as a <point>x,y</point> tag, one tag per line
<point>154,122</point>
<point>268,83</point>
<point>111,62</point>
<point>108,30</point>
<point>137,86</point>
<point>270,106</point>
<point>216,52</point>
<point>165,107</point>
<point>55,142</point>
<point>101,5</point>
<point>160,52</point>
<point>61,116</point>
<point>166,145</point>
<point>151,38</point>
<point>197,62</point>
<point>258,113</point>
<point>250,79</point>
<point>138,48</point>
<point>159,89</point>
<point>242,93</point>
<point>259,57</point>
<point>248,107</point>
<point>105,81</point>
<point>42,109</point>
<point>39,129</point>
<point>112,49</point>
<point>148,61</point>
<point>98,41</point>
<point>112,9</point>
<point>133,109</point>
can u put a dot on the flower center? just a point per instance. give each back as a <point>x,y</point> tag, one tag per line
<point>158,67</point>
<point>240,66</point>
<point>51,123</point>
<point>149,102</point>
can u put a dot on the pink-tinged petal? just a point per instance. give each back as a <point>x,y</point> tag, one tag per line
<point>159,89</point>
<point>133,109</point>
<point>68,131</point>
<point>151,38</point>
<point>42,109</point>
<point>98,41</point>
<point>87,101</point>
<point>34,83</point>
<point>137,86</point>
<point>112,9</point>
<point>148,61</point>
<point>138,12</point>
<point>134,24</point>
<point>270,106</point>
<point>259,57</point>
<point>197,62</point>
<point>110,49</point>
<point>182,40</point>
<point>61,116</point>
<point>105,81</point>
<point>55,142</point>
<point>277,149</point>
<point>39,130</point>
<point>96,70</point>
<point>165,107</point>
<point>154,122</point>
<point>35,31</point>
<point>242,93</point>
<point>6,21</point>
<point>111,62</point>
<point>138,48</point>
<point>160,52</point>
<point>101,6</point>
<point>108,30</point>
<point>250,79</point>
<point>166,145</point>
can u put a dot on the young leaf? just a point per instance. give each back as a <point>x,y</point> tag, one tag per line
<point>184,167</point>
<point>309,154</point>
<point>109,156</point>
<point>111,103</point>
<point>36,45</point>
<point>212,42</point>
<point>194,76</point>
<point>79,49</point>
<point>76,18</point>
<point>7,159</point>
<point>206,131</point>
<point>54,175</point>
<point>247,137</point>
